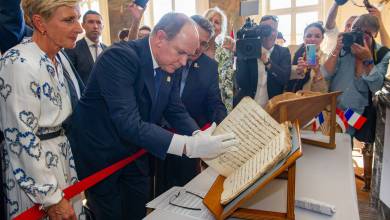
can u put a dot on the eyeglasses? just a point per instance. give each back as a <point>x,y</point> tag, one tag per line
<point>174,197</point>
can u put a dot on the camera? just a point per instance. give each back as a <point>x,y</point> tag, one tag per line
<point>248,45</point>
<point>352,37</point>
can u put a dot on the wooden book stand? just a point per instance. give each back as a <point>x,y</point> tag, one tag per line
<point>212,199</point>
<point>304,106</point>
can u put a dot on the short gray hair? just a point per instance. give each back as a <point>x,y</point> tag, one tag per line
<point>171,23</point>
<point>366,21</point>
<point>204,24</point>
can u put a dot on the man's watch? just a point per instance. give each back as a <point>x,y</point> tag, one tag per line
<point>368,62</point>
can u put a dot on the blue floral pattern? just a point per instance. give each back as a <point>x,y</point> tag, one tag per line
<point>226,73</point>
<point>32,103</point>
<point>5,89</point>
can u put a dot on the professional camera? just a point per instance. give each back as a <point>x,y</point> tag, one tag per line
<point>248,45</point>
<point>352,37</point>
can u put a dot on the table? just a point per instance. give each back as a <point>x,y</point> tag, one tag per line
<point>322,174</point>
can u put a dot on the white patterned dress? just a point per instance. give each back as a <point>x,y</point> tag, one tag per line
<point>34,100</point>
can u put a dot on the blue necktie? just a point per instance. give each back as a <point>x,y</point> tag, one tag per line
<point>157,82</point>
<point>184,75</point>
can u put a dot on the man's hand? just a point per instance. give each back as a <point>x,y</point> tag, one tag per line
<point>136,11</point>
<point>361,52</point>
<point>61,211</point>
<point>264,58</point>
<point>203,145</point>
<point>375,12</point>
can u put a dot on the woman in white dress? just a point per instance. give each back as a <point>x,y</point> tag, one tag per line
<point>35,100</point>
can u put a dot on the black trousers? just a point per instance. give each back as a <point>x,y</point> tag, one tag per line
<point>174,171</point>
<point>121,196</point>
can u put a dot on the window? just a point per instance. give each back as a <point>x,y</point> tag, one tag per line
<point>86,5</point>
<point>294,16</point>
<point>157,8</point>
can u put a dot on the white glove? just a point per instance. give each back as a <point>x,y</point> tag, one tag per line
<point>203,145</point>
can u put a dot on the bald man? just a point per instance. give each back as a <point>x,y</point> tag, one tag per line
<point>132,86</point>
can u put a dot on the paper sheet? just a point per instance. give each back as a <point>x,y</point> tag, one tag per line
<point>179,196</point>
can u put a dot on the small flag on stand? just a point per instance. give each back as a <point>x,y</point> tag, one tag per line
<point>354,119</point>
<point>341,120</point>
<point>319,120</point>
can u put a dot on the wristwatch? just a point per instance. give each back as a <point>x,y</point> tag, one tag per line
<point>368,62</point>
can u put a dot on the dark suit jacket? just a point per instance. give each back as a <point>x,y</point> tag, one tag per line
<point>82,59</point>
<point>12,25</point>
<point>277,77</point>
<point>202,99</point>
<point>116,115</point>
<point>201,95</point>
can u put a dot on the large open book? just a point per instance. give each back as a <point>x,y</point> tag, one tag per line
<point>263,143</point>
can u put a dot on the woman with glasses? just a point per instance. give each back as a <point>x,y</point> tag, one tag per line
<point>306,75</point>
<point>38,90</point>
<point>220,48</point>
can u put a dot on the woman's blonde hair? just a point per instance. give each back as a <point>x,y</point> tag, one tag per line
<point>217,11</point>
<point>45,8</point>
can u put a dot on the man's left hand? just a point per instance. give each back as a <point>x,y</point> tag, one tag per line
<point>361,52</point>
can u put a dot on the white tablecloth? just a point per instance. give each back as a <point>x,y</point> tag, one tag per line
<point>322,174</point>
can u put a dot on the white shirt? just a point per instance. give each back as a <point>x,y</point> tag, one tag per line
<point>330,40</point>
<point>261,96</point>
<point>92,49</point>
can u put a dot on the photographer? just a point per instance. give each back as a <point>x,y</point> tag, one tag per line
<point>332,31</point>
<point>358,71</point>
<point>265,77</point>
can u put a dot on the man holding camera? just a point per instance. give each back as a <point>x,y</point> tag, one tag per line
<point>332,31</point>
<point>357,67</point>
<point>265,77</point>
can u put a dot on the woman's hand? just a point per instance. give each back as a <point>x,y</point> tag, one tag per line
<point>61,211</point>
<point>301,66</point>
<point>229,43</point>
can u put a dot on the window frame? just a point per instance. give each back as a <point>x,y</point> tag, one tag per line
<point>149,17</point>
<point>293,11</point>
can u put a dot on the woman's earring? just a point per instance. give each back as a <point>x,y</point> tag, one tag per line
<point>44,33</point>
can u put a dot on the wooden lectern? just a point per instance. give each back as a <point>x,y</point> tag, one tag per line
<point>304,106</point>
<point>212,199</point>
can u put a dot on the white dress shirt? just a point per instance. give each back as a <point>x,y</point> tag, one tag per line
<point>92,48</point>
<point>261,96</point>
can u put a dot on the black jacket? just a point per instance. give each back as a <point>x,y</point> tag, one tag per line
<point>82,59</point>
<point>277,76</point>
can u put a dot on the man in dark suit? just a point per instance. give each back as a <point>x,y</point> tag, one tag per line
<point>267,76</point>
<point>132,86</point>
<point>200,94</point>
<point>84,55</point>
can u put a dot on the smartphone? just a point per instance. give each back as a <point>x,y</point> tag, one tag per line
<point>311,56</point>
<point>141,3</point>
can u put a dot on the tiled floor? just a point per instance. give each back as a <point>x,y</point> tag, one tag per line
<point>365,211</point>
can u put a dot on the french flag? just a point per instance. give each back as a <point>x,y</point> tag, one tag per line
<point>319,120</point>
<point>354,119</point>
<point>341,120</point>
